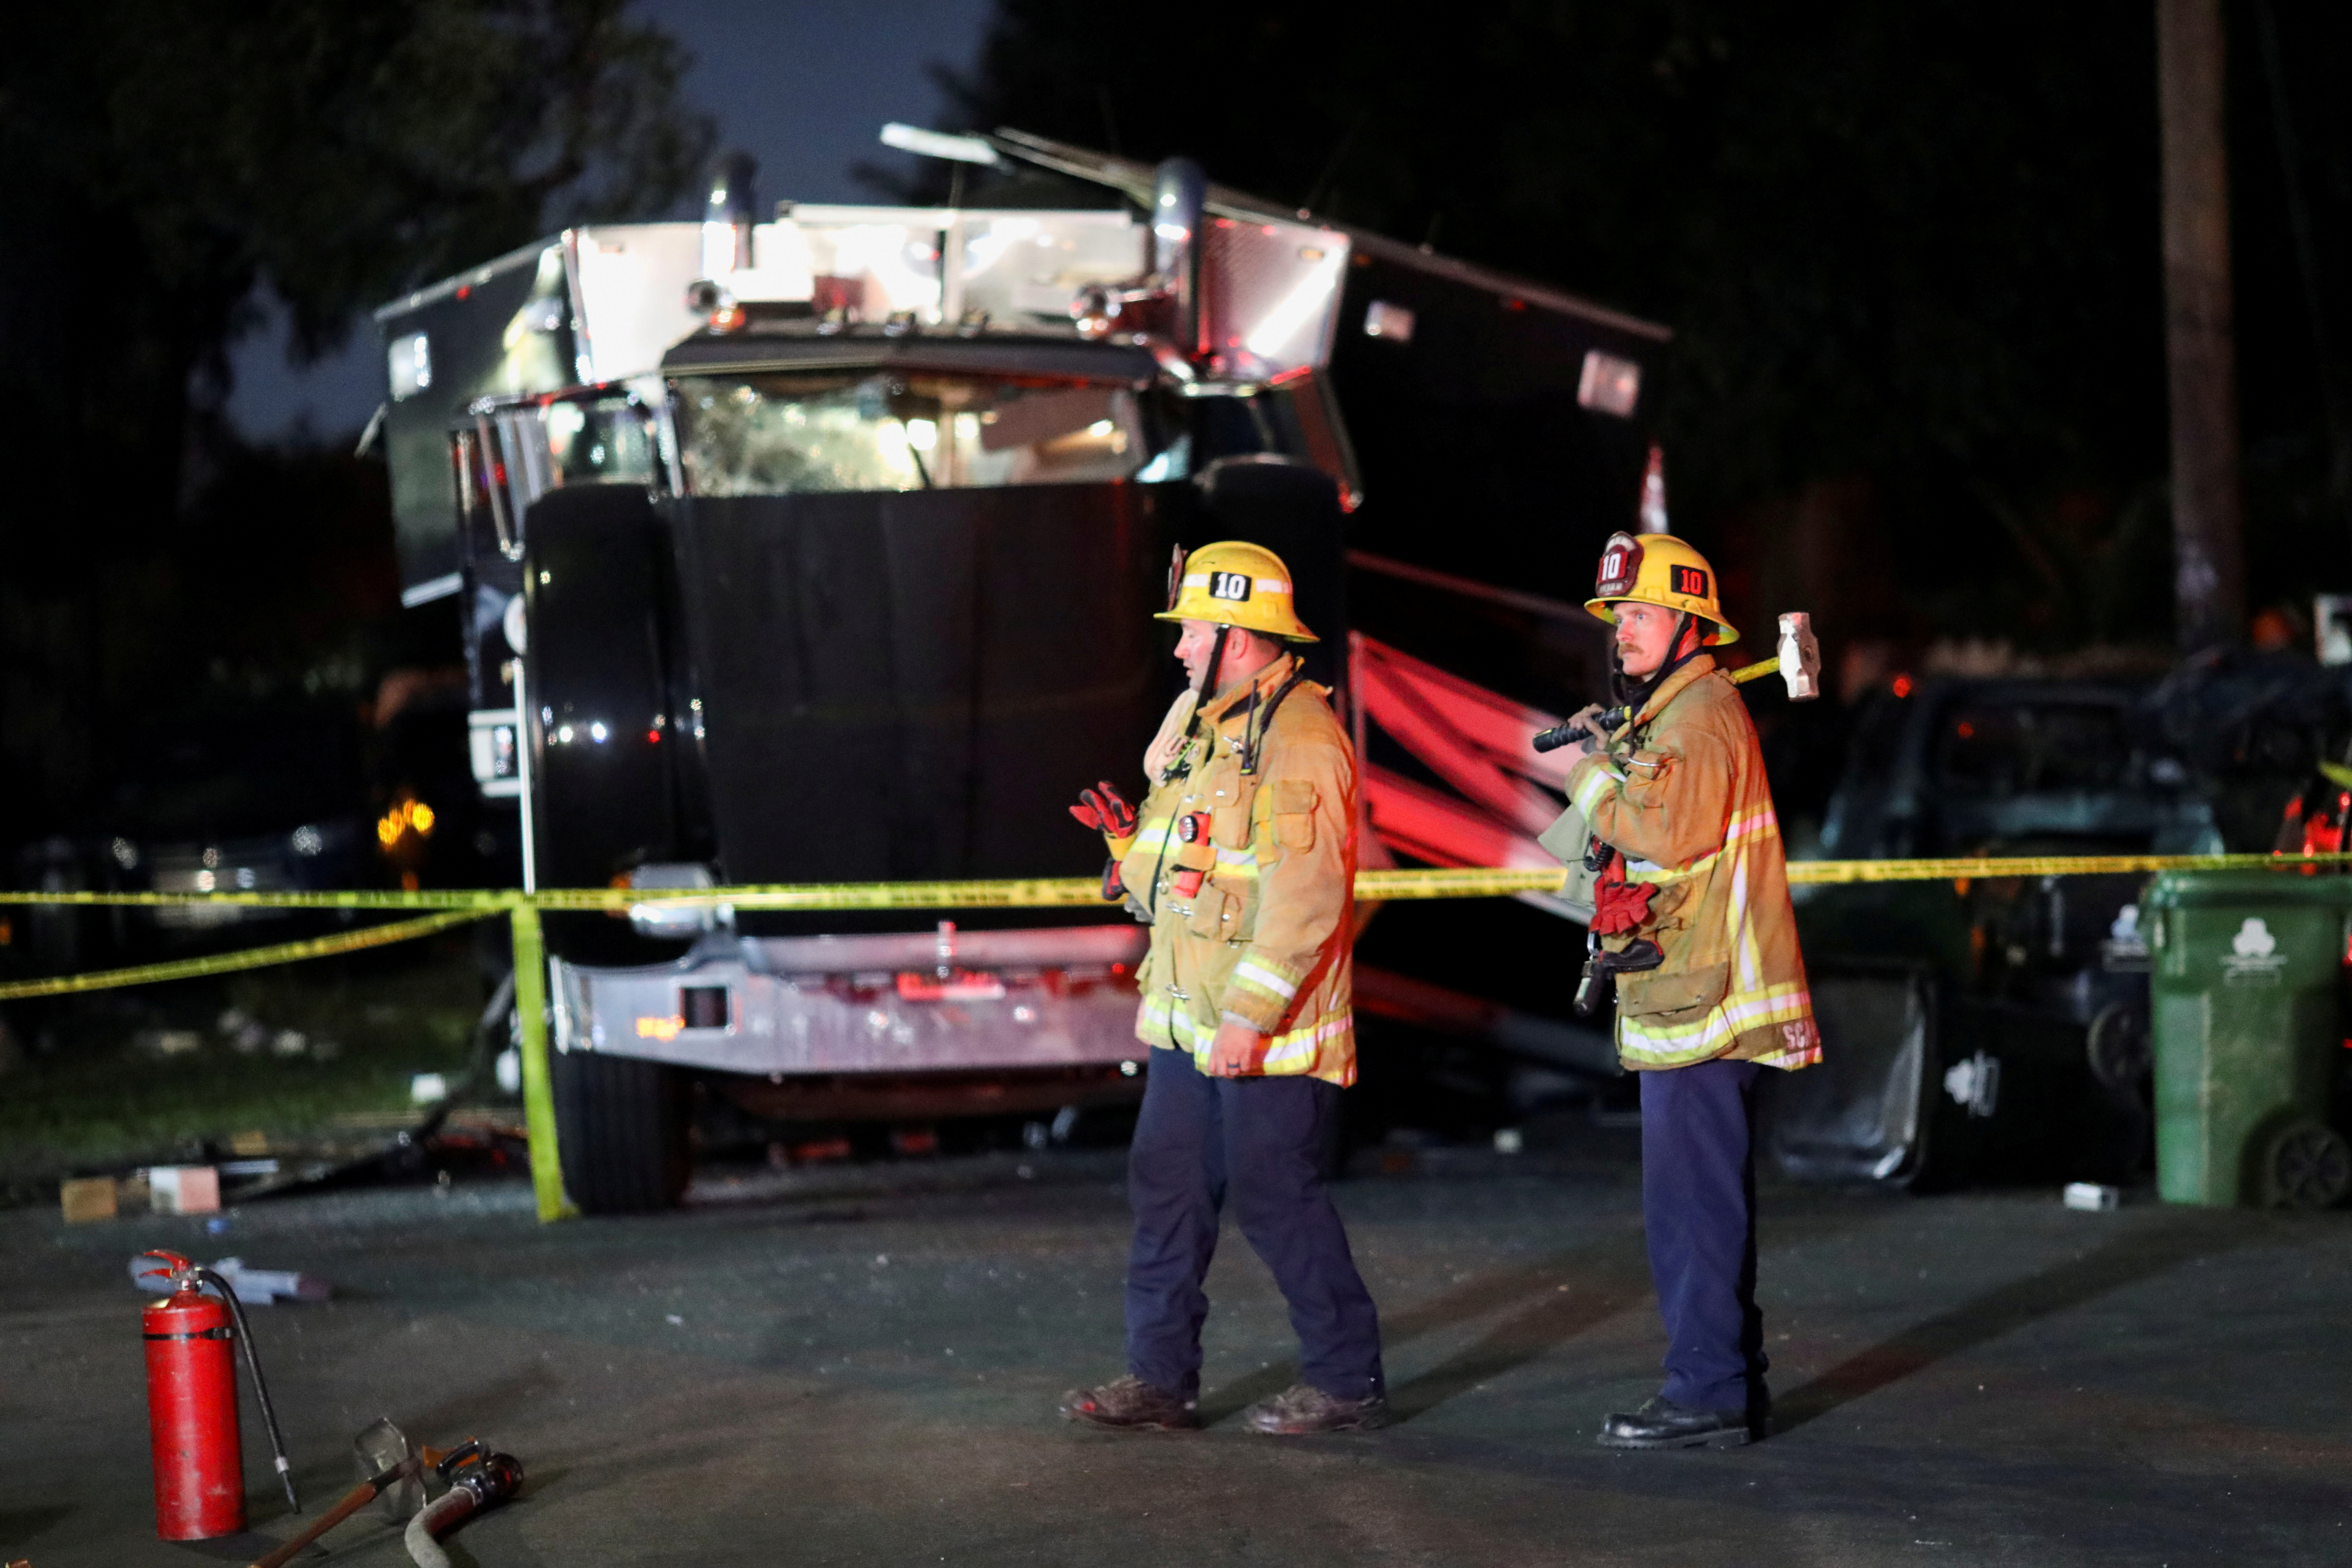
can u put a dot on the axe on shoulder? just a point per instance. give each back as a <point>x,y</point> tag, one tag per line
<point>1799,667</point>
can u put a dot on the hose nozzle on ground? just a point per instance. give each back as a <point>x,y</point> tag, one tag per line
<point>478,1479</point>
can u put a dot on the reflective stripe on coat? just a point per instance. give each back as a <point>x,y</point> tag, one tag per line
<point>1681,789</point>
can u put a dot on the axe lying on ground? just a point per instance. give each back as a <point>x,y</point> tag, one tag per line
<point>394,1473</point>
<point>1799,667</point>
<point>389,1468</point>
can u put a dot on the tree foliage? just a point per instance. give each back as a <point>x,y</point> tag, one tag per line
<point>163,157</point>
<point>162,160</point>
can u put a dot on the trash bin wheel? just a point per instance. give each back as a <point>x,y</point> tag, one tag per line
<point>621,1129</point>
<point>2310,1167</point>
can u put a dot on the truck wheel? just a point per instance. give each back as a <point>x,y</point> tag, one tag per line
<point>2310,1168</point>
<point>620,1125</point>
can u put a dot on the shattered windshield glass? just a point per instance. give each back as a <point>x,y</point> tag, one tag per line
<point>602,439</point>
<point>787,434</point>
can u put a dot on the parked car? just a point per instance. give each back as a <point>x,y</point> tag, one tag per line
<point>1987,1028</point>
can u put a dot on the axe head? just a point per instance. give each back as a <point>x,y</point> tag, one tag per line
<point>1800,657</point>
<point>385,1458</point>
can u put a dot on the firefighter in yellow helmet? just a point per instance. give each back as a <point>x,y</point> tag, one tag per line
<point>1661,570</point>
<point>1243,859</point>
<point>1692,921</point>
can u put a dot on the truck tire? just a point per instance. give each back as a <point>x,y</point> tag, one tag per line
<point>606,785</point>
<point>620,1127</point>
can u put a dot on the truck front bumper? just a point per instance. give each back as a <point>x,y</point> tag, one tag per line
<point>887,1003</point>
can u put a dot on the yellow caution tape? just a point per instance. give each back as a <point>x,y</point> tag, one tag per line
<point>1414,882</point>
<point>452,907</point>
<point>1012,893</point>
<point>485,901</point>
<point>1047,892</point>
<point>1819,873</point>
<point>1455,883</point>
<point>251,958</point>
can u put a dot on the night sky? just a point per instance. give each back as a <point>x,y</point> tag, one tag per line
<point>804,87</point>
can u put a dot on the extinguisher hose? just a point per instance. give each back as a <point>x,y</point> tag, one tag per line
<point>260,1389</point>
<point>441,1514</point>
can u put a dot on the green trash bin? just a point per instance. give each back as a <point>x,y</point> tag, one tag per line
<point>2247,1036</point>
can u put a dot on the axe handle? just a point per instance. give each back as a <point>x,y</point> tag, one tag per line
<point>358,1498</point>
<point>1757,671</point>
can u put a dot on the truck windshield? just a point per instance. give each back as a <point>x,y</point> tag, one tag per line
<point>775,434</point>
<point>608,439</point>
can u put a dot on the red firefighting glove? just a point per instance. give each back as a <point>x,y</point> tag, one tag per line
<point>1102,809</point>
<point>1618,906</point>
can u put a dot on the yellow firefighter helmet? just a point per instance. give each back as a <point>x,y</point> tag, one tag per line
<point>1238,584</point>
<point>1658,569</point>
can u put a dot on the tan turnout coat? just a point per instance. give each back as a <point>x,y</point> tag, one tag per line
<point>1681,791</point>
<point>1267,936</point>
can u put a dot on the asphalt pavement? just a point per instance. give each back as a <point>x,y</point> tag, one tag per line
<point>859,1364</point>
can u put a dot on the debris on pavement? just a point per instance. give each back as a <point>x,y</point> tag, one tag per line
<point>86,1198</point>
<point>2092,1197</point>
<point>254,1287</point>
<point>184,1189</point>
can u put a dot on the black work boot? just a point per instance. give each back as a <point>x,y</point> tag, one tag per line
<point>1302,1408</point>
<point>1130,1403</point>
<point>1663,1424</point>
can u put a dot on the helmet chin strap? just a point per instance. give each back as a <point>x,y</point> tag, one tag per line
<point>1631,690</point>
<point>1208,683</point>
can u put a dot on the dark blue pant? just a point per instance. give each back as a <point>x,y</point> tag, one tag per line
<point>1195,1136</point>
<point>1698,1206</point>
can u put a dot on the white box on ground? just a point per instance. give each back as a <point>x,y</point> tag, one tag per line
<point>184,1189</point>
<point>2092,1198</point>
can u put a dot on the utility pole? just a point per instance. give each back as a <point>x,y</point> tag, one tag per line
<point>2200,338</point>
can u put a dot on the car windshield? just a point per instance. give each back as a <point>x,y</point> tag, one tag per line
<point>2013,748</point>
<point>788,434</point>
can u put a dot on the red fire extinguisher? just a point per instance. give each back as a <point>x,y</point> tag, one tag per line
<point>191,1403</point>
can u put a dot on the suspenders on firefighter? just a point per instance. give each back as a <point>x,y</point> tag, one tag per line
<point>1242,860</point>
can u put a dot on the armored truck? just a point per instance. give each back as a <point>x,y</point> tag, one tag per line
<point>821,545</point>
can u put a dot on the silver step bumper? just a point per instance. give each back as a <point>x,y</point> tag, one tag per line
<point>884,1004</point>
